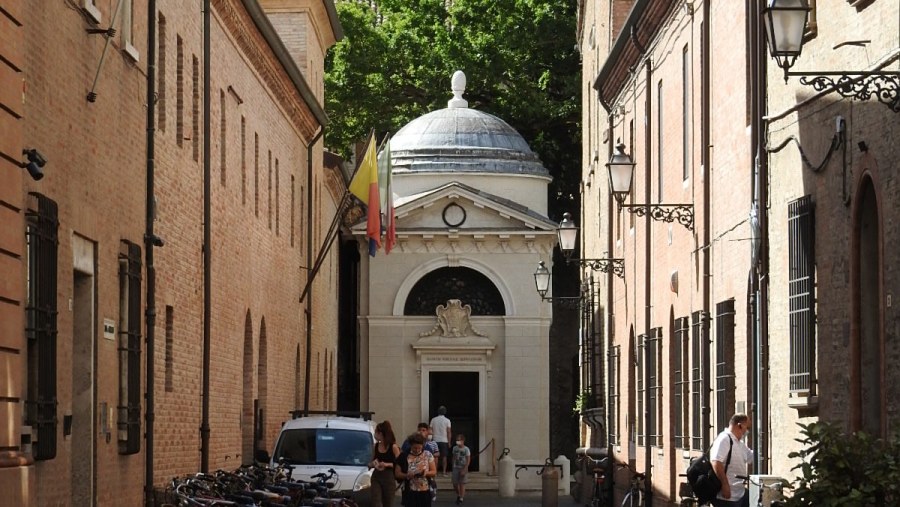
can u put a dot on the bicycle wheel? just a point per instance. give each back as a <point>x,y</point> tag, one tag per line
<point>632,498</point>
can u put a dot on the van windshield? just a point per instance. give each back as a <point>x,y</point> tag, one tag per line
<point>325,446</point>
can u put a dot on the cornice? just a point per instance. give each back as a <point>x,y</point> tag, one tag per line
<point>238,22</point>
<point>470,245</point>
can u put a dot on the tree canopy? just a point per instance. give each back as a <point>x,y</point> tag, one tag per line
<point>397,56</point>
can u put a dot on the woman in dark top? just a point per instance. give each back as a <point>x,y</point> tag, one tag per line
<point>384,456</point>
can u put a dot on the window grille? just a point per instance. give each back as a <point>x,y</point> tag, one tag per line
<point>40,327</point>
<point>639,382</point>
<point>129,408</point>
<point>465,284</point>
<point>614,396</point>
<point>654,387</point>
<point>699,398</point>
<point>801,283</point>
<point>725,389</point>
<point>681,382</point>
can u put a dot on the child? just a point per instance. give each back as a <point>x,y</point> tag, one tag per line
<point>462,456</point>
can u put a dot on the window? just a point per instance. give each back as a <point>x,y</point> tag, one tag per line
<point>659,141</point>
<point>179,91</point>
<point>680,382</point>
<point>686,114</point>
<point>161,74</point>
<point>641,389</point>
<point>724,362</point>
<point>654,387</point>
<point>243,160</point>
<point>699,397</point>
<point>90,8</point>
<point>126,24</point>
<point>223,136</point>
<point>195,107</point>
<point>801,293</point>
<point>614,396</point>
<point>129,408</point>
<point>40,325</point>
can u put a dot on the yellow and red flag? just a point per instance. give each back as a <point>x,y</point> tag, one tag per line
<point>364,186</point>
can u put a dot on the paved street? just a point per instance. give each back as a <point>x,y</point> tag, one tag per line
<point>492,498</point>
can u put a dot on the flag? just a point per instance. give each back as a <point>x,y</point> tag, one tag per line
<point>387,209</point>
<point>364,185</point>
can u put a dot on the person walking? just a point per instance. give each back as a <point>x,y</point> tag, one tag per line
<point>431,447</point>
<point>384,457</point>
<point>730,459</point>
<point>440,428</point>
<point>415,471</point>
<point>462,457</point>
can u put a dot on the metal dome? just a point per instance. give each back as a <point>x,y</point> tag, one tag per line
<point>459,139</point>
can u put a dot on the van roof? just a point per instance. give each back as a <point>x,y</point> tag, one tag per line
<point>329,421</point>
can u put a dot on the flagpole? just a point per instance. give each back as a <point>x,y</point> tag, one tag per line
<point>326,243</point>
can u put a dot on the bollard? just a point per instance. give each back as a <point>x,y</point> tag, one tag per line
<point>564,477</point>
<point>506,473</point>
<point>549,485</point>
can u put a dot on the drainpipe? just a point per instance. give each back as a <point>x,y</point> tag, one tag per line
<point>760,187</point>
<point>149,241</point>
<point>309,256</point>
<point>706,163</point>
<point>207,247</point>
<point>648,223</point>
<point>610,319</point>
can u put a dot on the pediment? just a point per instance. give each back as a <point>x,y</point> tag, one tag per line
<point>458,207</point>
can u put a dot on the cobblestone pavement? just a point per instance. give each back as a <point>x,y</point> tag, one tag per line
<point>484,498</point>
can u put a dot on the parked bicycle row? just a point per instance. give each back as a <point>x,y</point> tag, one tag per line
<point>257,486</point>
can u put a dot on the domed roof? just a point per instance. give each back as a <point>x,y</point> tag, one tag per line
<point>459,139</point>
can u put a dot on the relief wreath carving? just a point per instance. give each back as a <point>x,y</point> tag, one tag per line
<point>453,321</point>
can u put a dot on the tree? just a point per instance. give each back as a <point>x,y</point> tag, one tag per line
<point>395,62</point>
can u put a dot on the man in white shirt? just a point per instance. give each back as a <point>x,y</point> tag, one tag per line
<point>730,458</point>
<point>440,428</point>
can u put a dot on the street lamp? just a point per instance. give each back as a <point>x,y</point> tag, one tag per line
<point>621,172</point>
<point>568,233</point>
<point>785,22</point>
<point>542,279</point>
<point>542,285</point>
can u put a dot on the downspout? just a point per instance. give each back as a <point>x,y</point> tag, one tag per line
<point>150,240</point>
<point>761,462</point>
<point>610,316</point>
<point>706,164</point>
<point>207,246</point>
<point>309,256</point>
<point>648,223</point>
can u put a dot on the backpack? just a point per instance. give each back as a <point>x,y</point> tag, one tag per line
<point>703,479</point>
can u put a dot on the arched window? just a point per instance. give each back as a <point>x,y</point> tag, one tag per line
<point>465,284</point>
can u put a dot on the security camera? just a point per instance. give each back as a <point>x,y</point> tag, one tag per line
<point>35,163</point>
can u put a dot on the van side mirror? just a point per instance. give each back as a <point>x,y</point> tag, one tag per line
<point>261,456</point>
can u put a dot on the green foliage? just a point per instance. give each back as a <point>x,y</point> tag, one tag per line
<point>843,470</point>
<point>583,401</point>
<point>518,55</point>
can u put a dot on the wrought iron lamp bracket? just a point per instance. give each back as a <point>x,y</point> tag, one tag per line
<point>863,85</point>
<point>681,213</point>
<point>614,266</point>
<point>567,302</point>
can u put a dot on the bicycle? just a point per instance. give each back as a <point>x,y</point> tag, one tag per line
<point>634,495</point>
<point>599,487</point>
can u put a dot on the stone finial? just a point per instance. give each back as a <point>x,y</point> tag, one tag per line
<point>458,86</point>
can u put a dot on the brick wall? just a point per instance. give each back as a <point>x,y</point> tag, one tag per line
<point>96,173</point>
<point>16,472</point>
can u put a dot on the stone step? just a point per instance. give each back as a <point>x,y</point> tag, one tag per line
<point>478,481</point>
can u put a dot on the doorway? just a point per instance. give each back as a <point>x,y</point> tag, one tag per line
<point>459,392</point>
<point>83,389</point>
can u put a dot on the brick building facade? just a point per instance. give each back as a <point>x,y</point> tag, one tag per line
<point>83,430</point>
<point>720,330</point>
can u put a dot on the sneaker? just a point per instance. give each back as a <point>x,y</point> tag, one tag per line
<point>458,500</point>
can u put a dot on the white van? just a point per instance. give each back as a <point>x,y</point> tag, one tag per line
<point>314,442</point>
